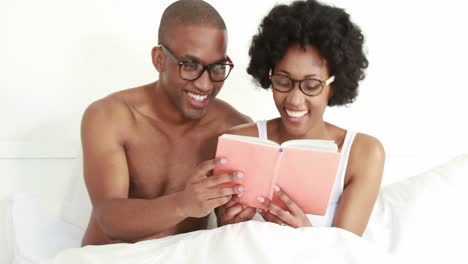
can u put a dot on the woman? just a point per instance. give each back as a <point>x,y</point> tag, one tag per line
<point>311,55</point>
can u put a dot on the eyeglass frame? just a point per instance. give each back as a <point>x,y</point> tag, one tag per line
<point>171,55</point>
<point>294,81</point>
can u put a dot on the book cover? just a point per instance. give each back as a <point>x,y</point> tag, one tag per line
<point>304,169</point>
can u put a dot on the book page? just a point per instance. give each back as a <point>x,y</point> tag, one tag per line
<point>254,140</point>
<point>312,144</point>
<point>256,161</point>
<point>308,177</point>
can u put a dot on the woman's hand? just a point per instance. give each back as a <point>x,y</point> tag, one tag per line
<point>294,216</point>
<point>234,212</point>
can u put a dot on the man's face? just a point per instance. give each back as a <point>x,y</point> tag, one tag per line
<point>206,45</point>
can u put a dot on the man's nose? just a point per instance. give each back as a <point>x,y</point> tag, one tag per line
<point>204,83</point>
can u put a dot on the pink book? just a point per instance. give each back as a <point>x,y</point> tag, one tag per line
<point>304,169</point>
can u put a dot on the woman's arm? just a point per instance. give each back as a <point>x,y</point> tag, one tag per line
<point>362,184</point>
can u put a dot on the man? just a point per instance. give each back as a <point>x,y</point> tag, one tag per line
<point>148,150</point>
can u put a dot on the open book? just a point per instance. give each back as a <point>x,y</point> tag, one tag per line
<point>304,169</point>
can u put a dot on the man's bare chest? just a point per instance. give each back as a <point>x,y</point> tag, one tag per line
<point>161,165</point>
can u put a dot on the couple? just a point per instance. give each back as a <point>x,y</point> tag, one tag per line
<point>148,151</point>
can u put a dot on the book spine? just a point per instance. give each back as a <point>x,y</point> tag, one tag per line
<point>279,157</point>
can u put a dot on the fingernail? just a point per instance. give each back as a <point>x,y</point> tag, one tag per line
<point>239,175</point>
<point>240,189</point>
<point>239,195</point>
<point>276,188</point>
<point>259,210</point>
<point>222,161</point>
<point>261,199</point>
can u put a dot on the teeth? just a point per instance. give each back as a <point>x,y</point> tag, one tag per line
<point>197,96</point>
<point>296,114</point>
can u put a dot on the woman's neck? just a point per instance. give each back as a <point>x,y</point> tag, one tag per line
<point>319,131</point>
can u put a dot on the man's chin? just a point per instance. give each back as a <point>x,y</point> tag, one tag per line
<point>192,114</point>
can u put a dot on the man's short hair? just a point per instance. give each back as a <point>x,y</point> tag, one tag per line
<point>188,13</point>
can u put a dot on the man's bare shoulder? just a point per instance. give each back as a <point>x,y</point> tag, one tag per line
<point>113,112</point>
<point>121,102</point>
<point>248,129</point>
<point>106,109</point>
<point>229,114</point>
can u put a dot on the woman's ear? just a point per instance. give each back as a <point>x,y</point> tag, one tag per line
<point>332,91</point>
<point>157,58</point>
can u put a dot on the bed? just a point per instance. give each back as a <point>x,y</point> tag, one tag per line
<point>418,217</point>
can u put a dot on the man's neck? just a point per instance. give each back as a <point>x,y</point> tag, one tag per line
<point>167,112</point>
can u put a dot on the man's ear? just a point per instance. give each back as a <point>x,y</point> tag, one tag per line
<point>157,58</point>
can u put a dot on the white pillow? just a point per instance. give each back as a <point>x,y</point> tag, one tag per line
<point>6,231</point>
<point>76,207</point>
<point>37,233</point>
<point>424,216</point>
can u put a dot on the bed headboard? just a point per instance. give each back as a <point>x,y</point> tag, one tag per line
<point>43,169</point>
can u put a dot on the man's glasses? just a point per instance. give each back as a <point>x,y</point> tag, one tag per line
<point>309,86</point>
<point>190,70</point>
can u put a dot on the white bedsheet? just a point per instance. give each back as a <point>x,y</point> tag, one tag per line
<point>249,242</point>
<point>421,219</point>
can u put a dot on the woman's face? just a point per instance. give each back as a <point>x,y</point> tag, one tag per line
<point>301,113</point>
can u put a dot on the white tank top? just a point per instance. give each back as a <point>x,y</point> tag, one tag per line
<point>327,219</point>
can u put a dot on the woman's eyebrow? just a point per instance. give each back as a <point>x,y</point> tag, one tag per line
<point>306,76</point>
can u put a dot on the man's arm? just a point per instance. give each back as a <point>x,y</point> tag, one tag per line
<point>107,179</point>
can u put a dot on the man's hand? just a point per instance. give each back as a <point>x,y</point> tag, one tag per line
<point>201,194</point>
<point>234,212</point>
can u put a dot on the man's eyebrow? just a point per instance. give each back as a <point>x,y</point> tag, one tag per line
<point>223,60</point>
<point>192,58</point>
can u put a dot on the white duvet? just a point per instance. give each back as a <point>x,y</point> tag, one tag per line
<point>421,220</point>
<point>249,242</point>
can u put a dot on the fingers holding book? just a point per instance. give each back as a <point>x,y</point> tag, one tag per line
<point>206,168</point>
<point>269,217</point>
<point>224,178</point>
<point>292,216</point>
<point>204,192</point>
<point>234,212</point>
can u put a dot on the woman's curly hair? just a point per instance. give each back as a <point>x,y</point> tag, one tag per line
<point>329,29</point>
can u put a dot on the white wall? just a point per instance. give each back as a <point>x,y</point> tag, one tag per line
<point>58,56</point>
